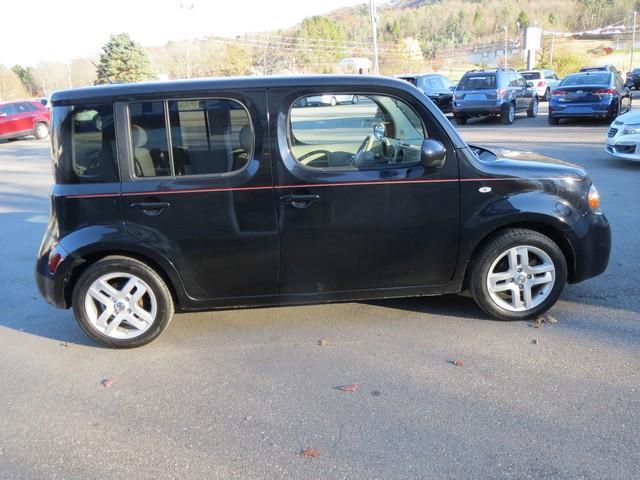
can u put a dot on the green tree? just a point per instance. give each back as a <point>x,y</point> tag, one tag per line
<point>122,60</point>
<point>26,77</point>
<point>523,20</point>
<point>321,42</point>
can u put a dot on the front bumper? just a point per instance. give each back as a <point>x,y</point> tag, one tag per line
<point>626,147</point>
<point>591,245</point>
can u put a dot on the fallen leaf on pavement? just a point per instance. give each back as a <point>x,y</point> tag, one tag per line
<point>376,393</point>
<point>537,323</point>
<point>352,387</point>
<point>322,343</point>
<point>107,382</point>
<point>534,341</point>
<point>457,363</point>
<point>309,453</point>
<point>550,319</point>
<point>64,344</point>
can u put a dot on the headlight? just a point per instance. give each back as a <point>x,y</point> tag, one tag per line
<point>593,198</point>
<point>631,129</point>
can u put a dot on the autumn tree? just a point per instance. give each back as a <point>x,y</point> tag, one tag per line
<point>122,60</point>
<point>321,42</point>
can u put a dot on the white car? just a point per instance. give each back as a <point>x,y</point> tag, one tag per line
<point>543,81</point>
<point>332,100</point>
<point>623,136</point>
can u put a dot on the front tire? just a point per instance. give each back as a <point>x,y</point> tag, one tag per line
<point>121,302</point>
<point>333,102</point>
<point>518,274</point>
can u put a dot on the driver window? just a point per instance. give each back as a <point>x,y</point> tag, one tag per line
<point>348,132</point>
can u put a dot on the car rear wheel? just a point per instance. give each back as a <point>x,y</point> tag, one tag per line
<point>553,120</point>
<point>333,101</point>
<point>41,130</point>
<point>532,112</point>
<point>518,274</point>
<point>355,99</point>
<point>461,120</point>
<point>508,114</point>
<point>120,302</point>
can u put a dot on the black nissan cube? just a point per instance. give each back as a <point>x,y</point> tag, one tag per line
<point>207,194</point>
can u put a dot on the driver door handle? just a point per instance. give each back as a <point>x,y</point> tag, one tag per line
<point>302,200</point>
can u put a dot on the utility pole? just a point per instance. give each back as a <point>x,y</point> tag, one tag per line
<point>505,47</point>
<point>553,43</point>
<point>453,40</point>
<point>374,30</point>
<point>633,39</point>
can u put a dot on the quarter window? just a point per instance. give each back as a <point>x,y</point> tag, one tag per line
<point>84,144</point>
<point>350,132</point>
<point>207,137</point>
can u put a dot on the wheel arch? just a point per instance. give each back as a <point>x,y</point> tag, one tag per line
<point>82,263</point>
<point>545,228</point>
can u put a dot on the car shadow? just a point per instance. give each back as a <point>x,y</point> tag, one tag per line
<point>447,305</point>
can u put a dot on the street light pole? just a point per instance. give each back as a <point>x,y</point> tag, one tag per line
<point>505,47</point>
<point>633,39</point>
<point>374,30</point>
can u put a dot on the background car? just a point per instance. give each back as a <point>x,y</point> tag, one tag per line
<point>44,101</point>
<point>623,137</point>
<point>19,119</point>
<point>495,92</point>
<point>543,82</point>
<point>332,100</point>
<point>435,86</point>
<point>599,94</point>
<point>633,78</point>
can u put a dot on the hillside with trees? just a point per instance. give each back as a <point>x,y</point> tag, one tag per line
<point>414,35</point>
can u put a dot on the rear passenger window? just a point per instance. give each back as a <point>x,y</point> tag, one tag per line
<point>84,144</point>
<point>205,137</point>
<point>149,140</point>
<point>209,136</point>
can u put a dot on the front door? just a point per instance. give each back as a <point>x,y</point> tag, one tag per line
<point>198,188</point>
<point>357,210</point>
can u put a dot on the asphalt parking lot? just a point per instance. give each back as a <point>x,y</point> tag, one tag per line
<point>239,394</point>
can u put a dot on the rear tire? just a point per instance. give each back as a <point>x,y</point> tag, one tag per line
<point>508,114</point>
<point>532,111</point>
<point>333,101</point>
<point>553,120</point>
<point>461,120</point>
<point>41,130</point>
<point>527,272</point>
<point>102,296</point>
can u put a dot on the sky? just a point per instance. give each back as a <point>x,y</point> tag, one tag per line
<point>61,30</point>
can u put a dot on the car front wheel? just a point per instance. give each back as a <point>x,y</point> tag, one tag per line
<point>518,274</point>
<point>121,302</point>
<point>41,130</point>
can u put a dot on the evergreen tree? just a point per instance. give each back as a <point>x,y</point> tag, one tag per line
<point>122,60</point>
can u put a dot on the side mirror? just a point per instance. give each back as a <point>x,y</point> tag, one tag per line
<point>378,131</point>
<point>432,153</point>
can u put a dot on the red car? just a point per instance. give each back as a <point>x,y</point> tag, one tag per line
<point>20,118</point>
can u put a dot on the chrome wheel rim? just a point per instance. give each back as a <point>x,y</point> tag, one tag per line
<point>535,107</point>
<point>521,278</point>
<point>120,305</point>
<point>512,113</point>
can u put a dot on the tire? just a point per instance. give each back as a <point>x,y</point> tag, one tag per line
<point>553,120</point>
<point>333,101</point>
<point>41,130</point>
<point>508,114</point>
<point>152,311</point>
<point>544,277</point>
<point>355,99</point>
<point>461,120</point>
<point>532,111</point>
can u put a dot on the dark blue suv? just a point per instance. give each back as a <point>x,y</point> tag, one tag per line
<point>498,93</point>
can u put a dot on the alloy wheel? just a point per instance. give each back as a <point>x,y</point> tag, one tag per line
<point>521,278</point>
<point>120,305</point>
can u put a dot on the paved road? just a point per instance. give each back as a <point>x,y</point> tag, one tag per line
<point>238,394</point>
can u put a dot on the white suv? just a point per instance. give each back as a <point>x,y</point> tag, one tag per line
<point>543,82</point>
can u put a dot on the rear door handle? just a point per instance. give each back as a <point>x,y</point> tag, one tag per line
<point>151,208</point>
<point>300,200</point>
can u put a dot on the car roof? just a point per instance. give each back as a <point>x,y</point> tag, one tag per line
<point>124,91</point>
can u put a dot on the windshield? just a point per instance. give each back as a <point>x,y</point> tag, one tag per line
<point>411,80</point>
<point>531,75</point>
<point>590,79</point>
<point>477,82</point>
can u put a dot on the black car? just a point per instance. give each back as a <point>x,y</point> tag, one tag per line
<point>437,87</point>
<point>498,92</point>
<point>203,194</point>
<point>633,79</point>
